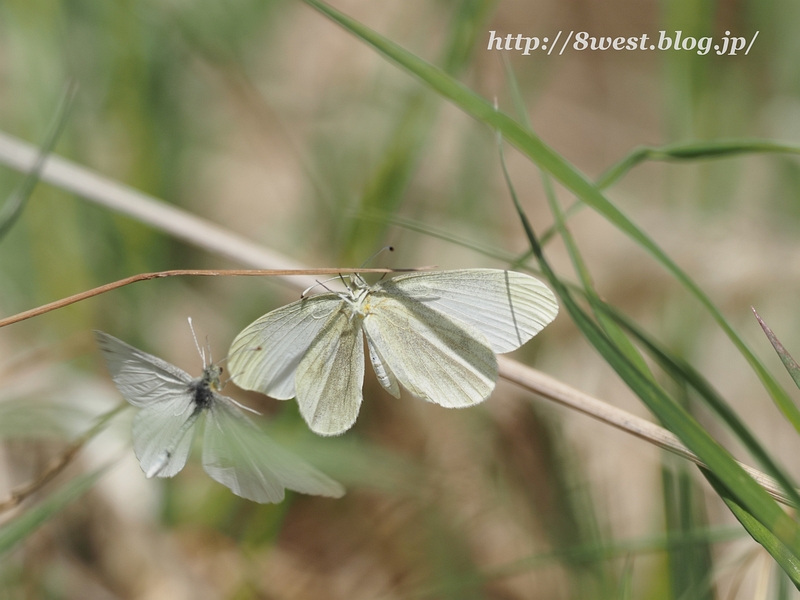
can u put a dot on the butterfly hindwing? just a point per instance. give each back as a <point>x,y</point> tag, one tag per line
<point>164,427</point>
<point>241,457</point>
<point>435,358</point>
<point>330,376</point>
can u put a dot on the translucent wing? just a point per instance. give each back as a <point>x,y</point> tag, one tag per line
<point>243,458</point>
<point>436,358</point>
<point>141,378</point>
<point>163,433</point>
<point>265,355</point>
<point>330,376</point>
<point>507,307</point>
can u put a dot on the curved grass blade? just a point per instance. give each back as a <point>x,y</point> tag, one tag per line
<point>612,320</point>
<point>611,328</point>
<point>552,162</point>
<point>680,371</point>
<point>31,418</point>
<point>681,151</point>
<point>748,493</point>
<point>15,204</point>
<point>692,151</point>
<point>60,462</point>
<point>20,528</point>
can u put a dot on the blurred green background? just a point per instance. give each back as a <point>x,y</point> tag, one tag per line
<point>265,118</point>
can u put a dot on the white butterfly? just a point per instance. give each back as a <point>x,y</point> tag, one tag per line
<point>435,333</point>
<point>235,452</point>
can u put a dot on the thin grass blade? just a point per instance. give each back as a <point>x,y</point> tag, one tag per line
<point>21,527</point>
<point>686,151</point>
<point>783,555</point>
<point>15,204</point>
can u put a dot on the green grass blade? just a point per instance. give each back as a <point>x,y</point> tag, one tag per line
<point>17,530</point>
<point>683,372</point>
<point>784,556</point>
<point>611,328</point>
<point>782,590</point>
<point>749,494</point>
<point>690,568</point>
<point>679,152</point>
<point>626,581</point>
<point>552,162</point>
<point>15,204</point>
<point>692,151</point>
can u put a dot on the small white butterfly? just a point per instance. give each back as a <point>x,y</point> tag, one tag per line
<point>435,333</point>
<point>235,452</point>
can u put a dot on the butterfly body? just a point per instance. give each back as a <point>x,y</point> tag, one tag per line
<point>435,333</point>
<point>203,388</point>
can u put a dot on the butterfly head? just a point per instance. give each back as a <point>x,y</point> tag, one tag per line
<point>211,376</point>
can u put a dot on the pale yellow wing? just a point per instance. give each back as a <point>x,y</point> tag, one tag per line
<point>434,357</point>
<point>330,376</point>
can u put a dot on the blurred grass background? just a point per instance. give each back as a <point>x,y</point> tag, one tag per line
<point>265,118</point>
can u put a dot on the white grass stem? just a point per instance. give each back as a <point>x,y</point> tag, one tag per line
<point>120,198</point>
<point>552,389</point>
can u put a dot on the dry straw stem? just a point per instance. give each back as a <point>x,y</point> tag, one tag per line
<point>35,312</point>
<point>552,389</point>
<point>208,236</point>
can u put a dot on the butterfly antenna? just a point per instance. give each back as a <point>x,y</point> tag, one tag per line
<point>356,278</point>
<point>208,347</point>
<point>196,345</point>
<point>384,249</point>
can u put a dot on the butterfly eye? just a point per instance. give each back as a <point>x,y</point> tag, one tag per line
<point>221,370</point>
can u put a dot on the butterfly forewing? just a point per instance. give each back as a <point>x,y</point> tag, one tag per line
<point>141,378</point>
<point>507,307</point>
<point>435,358</point>
<point>162,435</point>
<point>265,355</point>
<point>240,456</point>
<point>330,376</point>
